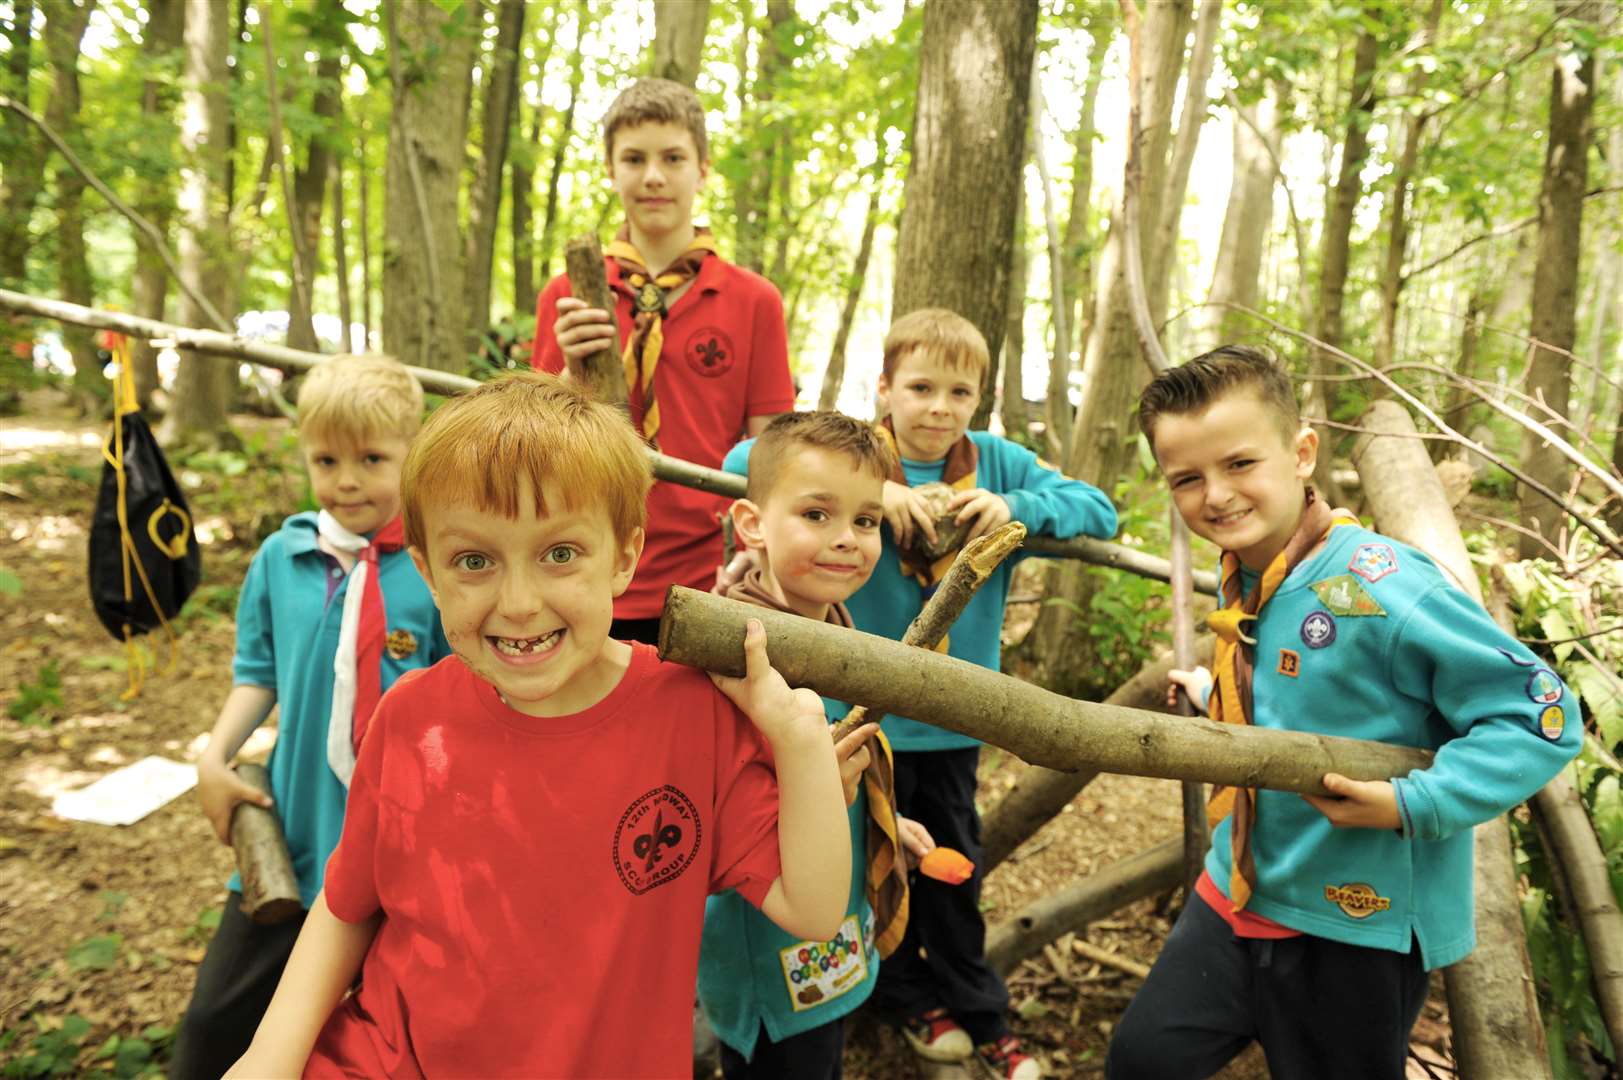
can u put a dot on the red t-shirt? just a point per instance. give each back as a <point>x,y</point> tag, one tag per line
<point>542,881</point>
<point>726,359</point>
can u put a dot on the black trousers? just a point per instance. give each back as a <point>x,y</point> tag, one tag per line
<point>942,959</point>
<point>1321,1009</point>
<point>811,1055</point>
<point>644,630</point>
<point>235,982</point>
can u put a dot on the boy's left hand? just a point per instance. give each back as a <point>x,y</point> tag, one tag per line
<point>781,714</point>
<point>987,510</point>
<point>854,756</point>
<point>1358,804</point>
<point>916,840</point>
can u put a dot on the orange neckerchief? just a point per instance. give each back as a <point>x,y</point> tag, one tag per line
<point>1232,663</point>
<point>641,355</point>
<point>885,875</point>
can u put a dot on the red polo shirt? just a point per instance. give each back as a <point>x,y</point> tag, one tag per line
<point>725,360</point>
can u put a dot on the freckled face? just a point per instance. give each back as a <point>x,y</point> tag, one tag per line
<point>820,529</point>
<point>357,481</point>
<point>526,602</point>
<point>930,404</point>
<point>1235,477</point>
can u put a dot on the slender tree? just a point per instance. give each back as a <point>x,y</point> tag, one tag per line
<point>560,144</point>
<point>24,174</point>
<point>1079,243</point>
<point>485,195</point>
<point>65,23</point>
<point>679,27</point>
<point>1247,221</point>
<point>155,191</point>
<point>834,375</point>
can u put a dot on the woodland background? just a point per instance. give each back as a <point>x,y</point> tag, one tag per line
<point>1431,190</point>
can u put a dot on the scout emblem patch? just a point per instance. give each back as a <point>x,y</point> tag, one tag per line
<point>815,971</point>
<point>1290,662</point>
<point>1318,630</point>
<point>1346,595</point>
<point>1552,722</point>
<point>651,298</point>
<point>1356,899</point>
<point>400,643</point>
<point>1372,562</point>
<point>1543,688</point>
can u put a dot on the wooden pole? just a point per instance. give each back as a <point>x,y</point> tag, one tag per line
<point>707,631</point>
<point>270,891</point>
<point>601,372</point>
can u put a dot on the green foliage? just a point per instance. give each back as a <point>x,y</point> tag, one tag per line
<point>64,1048</point>
<point>96,953</point>
<point>208,921</point>
<point>53,1051</point>
<point>10,584</point>
<point>38,700</point>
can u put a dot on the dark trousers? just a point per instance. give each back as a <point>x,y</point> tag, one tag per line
<point>1321,1009</point>
<point>811,1055</point>
<point>942,959</point>
<point>644,630</point>
<point>235,982</point>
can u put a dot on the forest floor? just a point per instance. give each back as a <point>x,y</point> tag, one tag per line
<point>101,928</point>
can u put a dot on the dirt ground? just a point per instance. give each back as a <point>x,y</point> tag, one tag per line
<point>101,928</point>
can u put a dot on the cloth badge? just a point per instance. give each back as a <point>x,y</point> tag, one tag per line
<point>1356,899</point>
<point>1290,662</point>
<point>1318,630</point>
<point>1372,562</point>
<point>400,643</point>
<point>1346,595</point>
<point>1513,658</point>
<point>1552,722</point>
<point>816,971</point>
<point>1543,688</point>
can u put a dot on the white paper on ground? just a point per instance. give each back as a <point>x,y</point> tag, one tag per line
<point>125,796</point>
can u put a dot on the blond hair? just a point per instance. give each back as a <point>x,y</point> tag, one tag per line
<point>479,447</point>
<point>360,396</point>
<point>822,430</point>
<point>656,101</point>
<point>945,335</point>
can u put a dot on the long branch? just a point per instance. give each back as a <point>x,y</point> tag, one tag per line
<point>1494,234</point>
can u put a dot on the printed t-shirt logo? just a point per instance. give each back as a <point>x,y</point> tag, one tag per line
<point>1372,562</point>
<point>656,839</point>
<point>1356,899</point>
<point>710,352</point>
<point>815,971</point>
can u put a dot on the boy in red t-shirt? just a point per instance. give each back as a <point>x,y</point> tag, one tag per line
<point>706,354</point>
<point>534,824</point>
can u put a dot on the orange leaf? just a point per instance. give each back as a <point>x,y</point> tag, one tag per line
<point>945,864</point>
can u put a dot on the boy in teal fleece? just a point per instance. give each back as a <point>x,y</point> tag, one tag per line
<point>938,984</point>
<point>812,519</point>
<point>1318,917</point>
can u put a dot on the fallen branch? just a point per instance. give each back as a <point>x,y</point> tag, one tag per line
<point>601,372</point>
<point>1086,948</point>
<point>270,890</point>
<point>707,631</point>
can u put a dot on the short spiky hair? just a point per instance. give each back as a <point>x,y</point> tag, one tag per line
<point>656,101</point>
<point>941,333</point>
<point>478,447</point>
<point>1193,387</point>
<point>360,396</point>
<point>824,430</point>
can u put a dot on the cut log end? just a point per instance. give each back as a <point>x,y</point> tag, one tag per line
<point>270,890</point>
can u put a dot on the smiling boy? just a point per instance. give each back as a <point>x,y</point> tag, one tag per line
<point>706,353</point>
<point>534,824</point>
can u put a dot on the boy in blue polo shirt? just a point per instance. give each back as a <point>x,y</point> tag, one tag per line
<point>1318,918</point>
<point>331,614</point>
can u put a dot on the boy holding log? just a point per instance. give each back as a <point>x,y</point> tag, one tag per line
<point>949,1000</point>
<point>706,356</point>
<point>535,825</point>
<point>331,614</point>
<point>776,1001</point>
<point>1318,917</point>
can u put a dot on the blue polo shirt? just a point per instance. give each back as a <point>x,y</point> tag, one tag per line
<point>288,617</point>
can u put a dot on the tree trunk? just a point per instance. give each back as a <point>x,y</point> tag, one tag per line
<point>834,375</point>
<point>1078,226</point>
<point>560,145</point>
<point>1014,326</point>
<point>752,202</point>
<point>366,248</point>
<point>310,193</point>
<point>340,257</point>
<point>203,385</point>
<point>1247,221</point>
<point>679,27</point>
<point>155,196</point>
<point>1501,295</point>
<point>969,127</point>
<point>485,196</point>
<point>23,148</point>
<point>1163,250</point>
<point>64,28</point>
<point>431,57</point>
<point>521,180</point>
<point>1555,279</point>
<point>1057,396</point>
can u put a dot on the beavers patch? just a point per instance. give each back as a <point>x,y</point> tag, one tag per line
<point>1356,899</point>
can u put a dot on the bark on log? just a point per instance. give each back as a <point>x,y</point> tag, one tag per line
<point>707,631</point>
<point>963,580</point>
<point>601,372</point>
<point>1039,794</point>
<point>270,891</point>
<point>1093,897</point>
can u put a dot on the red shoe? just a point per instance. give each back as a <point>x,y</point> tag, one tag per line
<point>936,1036</point>
<point>1004,1060</point>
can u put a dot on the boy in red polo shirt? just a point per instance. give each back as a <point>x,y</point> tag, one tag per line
<point>707,357</point>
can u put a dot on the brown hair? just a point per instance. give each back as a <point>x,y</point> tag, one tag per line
<point>478,447</point>
<point>656,101</point>
<point>360,396</point>
<point>1195,385</point>
<point>942,333</point>
<point>823,430</point>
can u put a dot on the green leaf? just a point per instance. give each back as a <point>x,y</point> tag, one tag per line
<point>10,584</point>
<point>96,953</point>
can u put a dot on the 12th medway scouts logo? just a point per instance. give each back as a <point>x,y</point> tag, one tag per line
<point>656,839</point>
<point>1356,899</point>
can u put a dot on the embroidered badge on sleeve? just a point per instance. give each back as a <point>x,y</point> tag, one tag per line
<point>1543,688</point>
<point>1346,595</point>
<point>400,643</point>
<point>815,971</point>
<point>1318,630</point>
<point>1552,722</point>
<point>1290,662</point>
<point>1372,562</point>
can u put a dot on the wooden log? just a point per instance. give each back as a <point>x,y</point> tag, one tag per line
<point>1091,898</point>
<point>601,372</point>
<point>707,631</point>
<point>1039,794</point>
<point>1109,959</point>
<point>270,891</point>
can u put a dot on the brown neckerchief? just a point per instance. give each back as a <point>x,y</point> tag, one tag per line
<point>885,872</point>
<point>959,472</point>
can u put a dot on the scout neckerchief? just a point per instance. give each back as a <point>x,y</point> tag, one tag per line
<point>958,472</point>
<point>885,875</point>
<point>1231,700</point>
<point>361,634</point>
<point>648,292</point>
